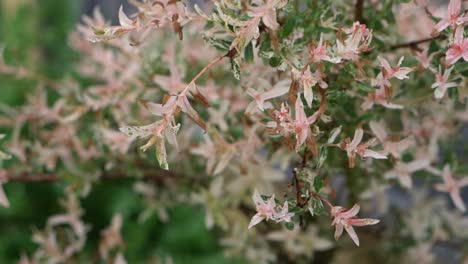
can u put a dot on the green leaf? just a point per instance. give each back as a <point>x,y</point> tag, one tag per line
<point>288,27</point>
<point>249,52</point>
<point>316,206</point>
<point>235,68</point>
<point>453,93</point>
<point>266,51</point>
<point>364,87</point>
<point>219,44</point>
<point>323,153</point>
<point>318,183</point>
<point>275,61</point>
<point>289,225</point>
<point>334,134</point>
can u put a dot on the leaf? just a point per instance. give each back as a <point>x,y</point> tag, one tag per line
<point>289,225</point>
<point>219,44</point>
<point>288,27</point>
<point>200,12</point>
<point>176,26</point>
<point>235,68</point>
<point>334,134</point>
<point>249,52</point>
<point>265,45</point>
<point>123,19</point>
<point>161,154</point>
<point>4,156</point>
<point>159,109</point>
<point>316,206</point>
<point>275,61</point>
<point>364,87</point>
<point>185,106</point>
<point>453,93</point>
<point>199,97</point>
<point>323,153</point>
<point>137,131</point>
<point>318,183</point>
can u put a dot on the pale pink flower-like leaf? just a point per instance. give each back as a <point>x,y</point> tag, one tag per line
<point>423,58</point>
<point>441,85</point>
<point>187,108</point>
<point>319,53</point>
<point>379,97</point>
<point>402,171</point>
<point>397,72</point>
<point>393,147</point>
<point>111,237</point>
<point>356,27</point>
<point>452,186</point>
<point>267,12</point>
<point>116,141</point>
<point>308,81</point>
<point>300,126</point>
<point>284,215</point>
<point>268,210</point>
<point>269,19</point>
<point>346,219</point>
<point>453,19</point>
<point>368,153</point>
<point>354,44</point>
<point>353,147</point>
<point>458,49</point>
<point>224,160</point>
<point>158,131</point>
<point>280,88</point>
<point>264,210</point>
<point>160,109</point>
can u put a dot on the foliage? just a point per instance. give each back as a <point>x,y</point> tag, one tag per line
<point>280,99</point>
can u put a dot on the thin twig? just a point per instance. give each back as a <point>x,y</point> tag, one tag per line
<point>33,178</point>
<point>414,44</point>
<point>230,54</point>
<point>159,176</point>
<point>325,200</point>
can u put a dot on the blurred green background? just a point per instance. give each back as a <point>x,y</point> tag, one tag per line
<point>35,34</point>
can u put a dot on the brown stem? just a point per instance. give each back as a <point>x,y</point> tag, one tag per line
<point>414,44</point>
<point>207,67</point>
<point>358,11</point>
<point>298,183</point>
<point>325,200</point>
<point>33,178</point>
<point>159,176</point>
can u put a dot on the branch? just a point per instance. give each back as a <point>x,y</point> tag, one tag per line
<point>158,176</point>
<point>231,53</point>
<point>325,200</point>
<point>33,178</point>
<point>414,44</point>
